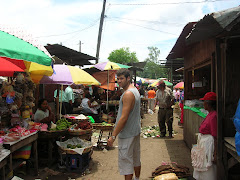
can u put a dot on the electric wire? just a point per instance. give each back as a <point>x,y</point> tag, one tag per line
<point>93,24</point>
<point>73,32</point>
<point>145,27</point>
<point>153,22</point>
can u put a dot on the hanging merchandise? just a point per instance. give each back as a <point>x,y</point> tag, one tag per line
<point>18,97</point>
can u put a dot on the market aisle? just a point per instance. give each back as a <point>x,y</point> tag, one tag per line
<point>154,151</point>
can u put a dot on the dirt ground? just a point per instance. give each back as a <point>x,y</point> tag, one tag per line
<point>104,163</point>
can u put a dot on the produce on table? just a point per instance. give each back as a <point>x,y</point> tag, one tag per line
<point>83,125</point>
<point>2,133</point>
<point>73,146</point>
<point>21,131</point>
<point>61,125</point>
<point>34,125</point>
<point>44,127</point>
<point>10,137</point>
<point>106,124</point>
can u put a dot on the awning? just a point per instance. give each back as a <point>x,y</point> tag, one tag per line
<point>70,56</point>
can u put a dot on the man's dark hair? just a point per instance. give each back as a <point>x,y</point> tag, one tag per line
<point>40,102</point>
<point>124,72</point>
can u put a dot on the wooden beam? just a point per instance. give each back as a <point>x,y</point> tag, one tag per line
<point>221,174</point>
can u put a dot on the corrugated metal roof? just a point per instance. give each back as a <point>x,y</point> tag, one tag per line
<point>68,55</point>
<point>213,24</point>
<point>179,48</point>
<point>210,26</point>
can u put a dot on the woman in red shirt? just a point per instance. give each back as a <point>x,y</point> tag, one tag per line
<point>209,127</point>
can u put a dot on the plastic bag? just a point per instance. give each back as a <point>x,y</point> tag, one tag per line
<point>168,176</point>
<point>150,111</point>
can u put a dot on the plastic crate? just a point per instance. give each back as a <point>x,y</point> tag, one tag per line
<point>77,163</point>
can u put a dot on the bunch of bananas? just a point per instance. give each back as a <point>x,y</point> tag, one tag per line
<point>62,124</point>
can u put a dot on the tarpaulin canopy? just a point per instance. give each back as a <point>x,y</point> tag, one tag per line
<point>102,77</point>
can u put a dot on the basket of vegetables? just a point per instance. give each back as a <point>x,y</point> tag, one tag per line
<point>75,146</point>
<point>56,130</point>
<point>103,126</point>
<point>83,127</point>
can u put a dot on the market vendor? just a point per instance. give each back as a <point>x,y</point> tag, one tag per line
<point>44,113</point>
<point>207,139</point>
<point>89,108</point>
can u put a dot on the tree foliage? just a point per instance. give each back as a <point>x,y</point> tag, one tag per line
<point>123,56</point>
<point>152,68</point>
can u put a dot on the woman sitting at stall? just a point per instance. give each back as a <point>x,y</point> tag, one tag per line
<point>44,113</point>
<point>205,153</point>
<point>89,108</point>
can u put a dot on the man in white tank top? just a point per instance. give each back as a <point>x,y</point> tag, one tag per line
<point>128,128</point>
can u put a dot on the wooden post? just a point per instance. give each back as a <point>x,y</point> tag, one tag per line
<point>100,30</point>
<point>221,173</point>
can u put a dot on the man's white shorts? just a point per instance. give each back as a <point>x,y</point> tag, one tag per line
<point>128,154</point>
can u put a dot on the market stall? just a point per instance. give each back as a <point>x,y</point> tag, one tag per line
<point>16,106</point>
<point>211,60</point>
<point>18,144</point>
<point>3,160</point>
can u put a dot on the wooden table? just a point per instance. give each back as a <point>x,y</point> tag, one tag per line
<point>23,141</point>
<point>111,103</point>
<point>3,162</point>
<point>229,143</point>
<point>49,138</point>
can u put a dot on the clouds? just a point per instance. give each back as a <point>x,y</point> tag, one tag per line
<point>133,26</point>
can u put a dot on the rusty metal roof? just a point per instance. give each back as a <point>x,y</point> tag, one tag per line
<point>214,24</point>
<point>179,48</point>
<point>70,56</point>
<point>209,26</point>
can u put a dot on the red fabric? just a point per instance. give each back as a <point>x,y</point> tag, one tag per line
<point>9,66</point>
<point>182,111</point>
<point>211,96</point>
<point>209,125</point>
<point>151,94</point>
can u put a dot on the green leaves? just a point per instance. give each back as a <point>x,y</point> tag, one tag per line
<point>123,56</point>
<point>152,69</point>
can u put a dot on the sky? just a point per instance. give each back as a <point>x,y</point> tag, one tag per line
<point>137,24</point>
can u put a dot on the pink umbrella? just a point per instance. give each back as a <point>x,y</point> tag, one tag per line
<point>179,85</point>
